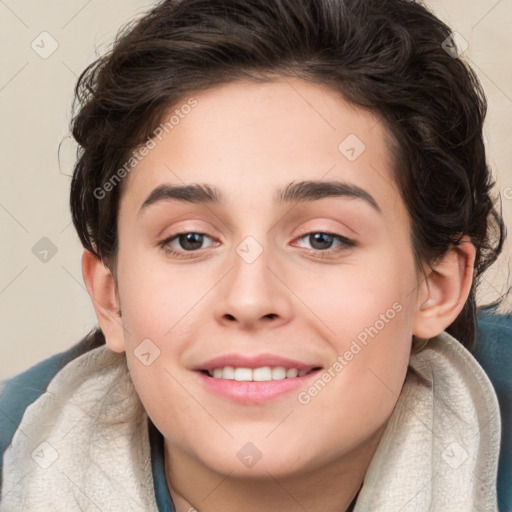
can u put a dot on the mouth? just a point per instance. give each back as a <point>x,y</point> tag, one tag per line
<point>254,380</point>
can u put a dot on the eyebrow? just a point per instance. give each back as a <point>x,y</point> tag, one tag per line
<point>295,192</point>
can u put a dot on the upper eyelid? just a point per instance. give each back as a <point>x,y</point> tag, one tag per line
<point>348,241</point>
<point>178,233</point>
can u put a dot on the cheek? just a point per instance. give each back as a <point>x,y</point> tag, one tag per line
<point>369,310</point>
<point>166,400</point>
<point>359,390</point>
<point>374,290</point>
<point>155,299</point>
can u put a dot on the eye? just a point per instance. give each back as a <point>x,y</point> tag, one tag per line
<point>321,241</point>
<point>179,244</point>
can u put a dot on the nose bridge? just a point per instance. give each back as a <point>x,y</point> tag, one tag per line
<point>251,292</point>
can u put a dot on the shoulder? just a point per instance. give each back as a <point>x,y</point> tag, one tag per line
<point>20,391</point>
<point>494,350</point>
<point>494,335</point>
<point>494,353</point>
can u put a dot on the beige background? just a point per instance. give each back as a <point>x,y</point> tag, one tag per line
<point>44,307</point>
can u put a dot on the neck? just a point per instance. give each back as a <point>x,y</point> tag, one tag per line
<point>333,487</point>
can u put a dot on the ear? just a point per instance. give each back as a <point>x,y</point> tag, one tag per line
<point>101,287</point>
<point>445,290</point>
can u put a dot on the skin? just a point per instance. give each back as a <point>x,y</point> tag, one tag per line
<point>250,140</point>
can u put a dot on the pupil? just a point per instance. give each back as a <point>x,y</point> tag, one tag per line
<point>191,241</point>
<point>323,239</point>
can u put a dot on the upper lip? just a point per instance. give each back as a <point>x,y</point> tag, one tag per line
<point>258,361</point>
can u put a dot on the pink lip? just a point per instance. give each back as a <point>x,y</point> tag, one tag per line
<point>241,361</point>
<point>253,392</point>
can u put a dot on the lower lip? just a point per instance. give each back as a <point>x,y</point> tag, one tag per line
<point>251,392</point>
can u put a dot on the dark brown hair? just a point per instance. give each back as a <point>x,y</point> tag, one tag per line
<point>388,57</point>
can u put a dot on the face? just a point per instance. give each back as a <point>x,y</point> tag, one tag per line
<point>260,277</point>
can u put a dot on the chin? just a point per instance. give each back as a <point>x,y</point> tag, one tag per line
<point>260,459</point>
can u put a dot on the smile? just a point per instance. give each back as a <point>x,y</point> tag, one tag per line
<point>254,379</point>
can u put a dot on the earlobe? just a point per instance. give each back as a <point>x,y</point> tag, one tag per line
<point>445,290</point>
<point>101,287</point>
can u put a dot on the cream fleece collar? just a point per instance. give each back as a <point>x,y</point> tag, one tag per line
<point>83,445</point>
<point>440,448</point>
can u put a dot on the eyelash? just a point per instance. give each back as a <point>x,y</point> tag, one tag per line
<point>346,243</point>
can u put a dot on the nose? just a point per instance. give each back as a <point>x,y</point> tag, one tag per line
<point>254,294</point>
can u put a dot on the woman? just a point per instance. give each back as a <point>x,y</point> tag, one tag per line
<point>285,209</point>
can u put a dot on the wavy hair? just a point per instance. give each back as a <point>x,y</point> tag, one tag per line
<point>387,57</point>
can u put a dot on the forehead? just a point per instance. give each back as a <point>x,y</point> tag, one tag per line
<point>251,138</point>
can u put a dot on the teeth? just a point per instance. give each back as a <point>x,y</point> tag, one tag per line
<point>261,374</point>
<point>228,373</point>
<point>278,373</point>
<point>265,373</point>
<point>242,374</point>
